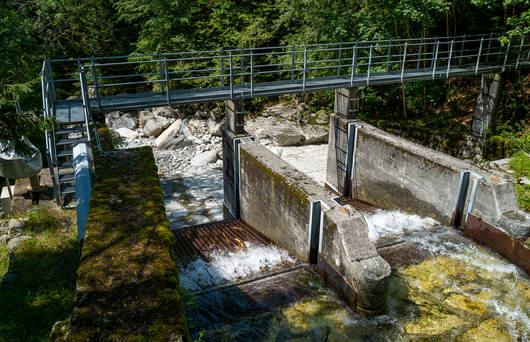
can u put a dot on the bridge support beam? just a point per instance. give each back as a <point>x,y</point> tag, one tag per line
<point>486,106</point>
<point>347,102</point>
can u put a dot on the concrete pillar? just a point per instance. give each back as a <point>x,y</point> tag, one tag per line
<point>235,116</point>
<point>233,133</point>
<point>486,106</point>
<point>341,151</point>
<point>347,102</point>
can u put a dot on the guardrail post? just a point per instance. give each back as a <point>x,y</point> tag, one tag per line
<point>167,81</point>
<point>506,55</point>
<point>434,48</point>
<point>353,64</point>
<point>478,56</point>
<point>305,66</point>
<point>340,59</point>
<point>435,59</point>
<point>462,49</point>
<point>449,60</point>
<point>292,63</point>
<point>231,79</point>
<point>489,46</point>
<point>251,73</point>
<point>95,82</point>
<point>242,64</point>
<point>388,55</point>
<point>369,65</point>
<point>404,61</point>
<point>419,53</point>
<point>50,76</point>
<point>519,54</point>
<point>160,70</point>
<point>222,68</point>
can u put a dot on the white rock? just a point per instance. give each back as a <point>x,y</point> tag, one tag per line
<point>117,120</point>
<point>175,136</point>
<point>204,158</point>
<point>127,133</point>
<point>143,116</point>
<point>215,128</point>
<point>156,125</point>
<point>315,134</point>
<point>167,112</point>
<point>15,242</point>
<point>218,164</point>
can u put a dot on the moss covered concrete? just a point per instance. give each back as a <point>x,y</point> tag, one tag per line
<point>127,286</point>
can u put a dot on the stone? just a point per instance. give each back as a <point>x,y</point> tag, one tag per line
<point>4,239</point>
<point>215,128</point>
<point>286,136</point>
<point>517,223</point>
<point>117,120</point>
<point>285,110</point>
<point>166,112</point>
<point>197,126</point>
<point>204,158</point>
<point>489,330</point>
<point>143,116</point>
<point>175,136</point>
<point>218,164</point>
<point>315,134</point>
<point>156,125</point>
<point>16,242</point>
<point>127,133</point>
<point>16,225</point>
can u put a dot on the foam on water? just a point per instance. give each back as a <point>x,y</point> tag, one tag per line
<point>385,223</point>
<point>232,266</point>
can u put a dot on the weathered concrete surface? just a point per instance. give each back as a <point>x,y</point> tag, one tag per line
<point>235,115</point>
<point>231,196</point>
<point>486,106</point>
<point>282,212</point>
<point>394,173</point>
<point>336,173</point>
<point>346,102</point>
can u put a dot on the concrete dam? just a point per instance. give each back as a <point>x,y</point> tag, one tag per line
<point>367,237</point>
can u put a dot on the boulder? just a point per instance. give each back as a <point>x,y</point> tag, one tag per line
<point>175,136</point>
<point>118,119</point>
<point>127,133</point>
<point>215,128</point>
<point>285,110</point>
<point>286,133</point>
<point>204,158</point>
<point>166,112</point>
<point>285,136</point>
<point>143,116</point>
<point>16,242</point>
<point>4,239</point>
<point>197,125</point>
<point>16,225</point>
<point>314,134</point>
<point>156,125</point>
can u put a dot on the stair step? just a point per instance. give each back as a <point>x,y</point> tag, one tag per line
<point>70,130</point>
<point>65,153</point>
<point>66,165</point>
<point>68,141</point>
<point>66,177</point>
<point>67,189</point>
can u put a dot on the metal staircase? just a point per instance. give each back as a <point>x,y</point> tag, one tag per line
<point>63,137</point>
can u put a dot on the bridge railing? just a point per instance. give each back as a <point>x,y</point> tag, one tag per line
<point>239,70</point>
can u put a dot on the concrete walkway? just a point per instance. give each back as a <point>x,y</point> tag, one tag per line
<point>193,198</point>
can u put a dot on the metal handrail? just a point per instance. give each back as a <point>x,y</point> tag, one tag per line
<point>437,56</point>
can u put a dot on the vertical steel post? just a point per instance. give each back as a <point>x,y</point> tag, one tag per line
<point>419,53</point>
<point>95,82</point>
<point>167,81</point>
<point>242,60</point>
<point>161,71</point>
<point>434,48</point>
<point>479,53</point>
<point>462,50</point>
<point>506,55</point>
<point>369,65</point>
<point>519,54</point>
<point>222,67</point>
<point>353,64</point>
<point>489,46</point>
<point>340,59</point>
<point>404,61</point>
<point>251,73</point>
<point>435,59</point>
<point>292,62</point>
<point>388,55</point>
<point>305,67</point>
<point>50,77</point>
<point>449,60</point>
<point>231,79</point>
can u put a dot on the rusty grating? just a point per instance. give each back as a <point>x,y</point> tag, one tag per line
<point>201,240</point>
<point>358,204</point>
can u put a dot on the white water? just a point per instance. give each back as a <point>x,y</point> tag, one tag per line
<point>232,266</point>
<point>384,224</point>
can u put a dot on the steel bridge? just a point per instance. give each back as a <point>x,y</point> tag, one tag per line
<point>103,84</point>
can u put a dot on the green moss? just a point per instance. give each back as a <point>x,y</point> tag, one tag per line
<point>128,274</point>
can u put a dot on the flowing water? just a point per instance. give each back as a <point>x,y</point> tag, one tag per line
<point>452,290</point>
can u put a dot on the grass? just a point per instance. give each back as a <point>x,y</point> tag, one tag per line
<point>520,164</point>
<point>43,291</point>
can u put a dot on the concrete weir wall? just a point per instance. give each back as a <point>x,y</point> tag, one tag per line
<point>301,216</point>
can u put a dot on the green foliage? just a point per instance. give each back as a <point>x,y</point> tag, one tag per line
<point>43,291</point>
